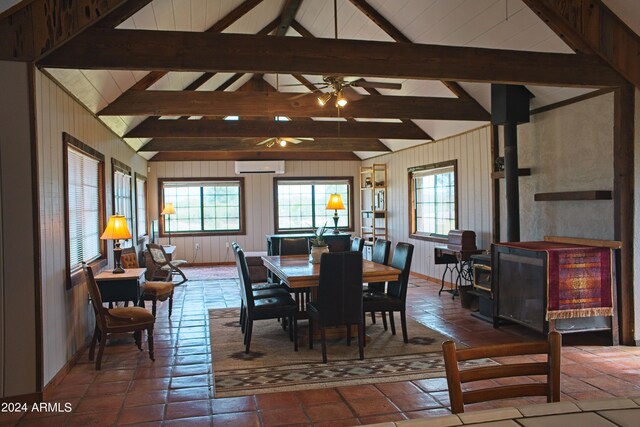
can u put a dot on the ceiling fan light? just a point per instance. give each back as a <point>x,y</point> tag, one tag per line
<point>283,143</point>
<point>341,101</point>
<point>323,99</point>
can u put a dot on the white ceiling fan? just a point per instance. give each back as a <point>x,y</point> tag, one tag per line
<point>282,141</point>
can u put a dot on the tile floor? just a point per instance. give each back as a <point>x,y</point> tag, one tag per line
<point>175,390</point>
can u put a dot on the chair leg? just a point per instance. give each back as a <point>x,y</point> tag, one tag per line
<point>294,322</point>
<point>324,345</point>
<point>150,342</point>
<point>384,319</point>
<point>348,335</point>
<point>392,323</point>
<point>103,340</point>
<point>153,306</point>
<point>373,317</point>
<point>247,335</point>
<point>291,328</point>
<point>364,324</point>
<point>242,316</point>
<point>177,270</point>
<point>310,333</point>
<point>403,320</point>
<point>137,336</point>
<point>170,303</point>
<point>94,339</point>
<point>361,341</point>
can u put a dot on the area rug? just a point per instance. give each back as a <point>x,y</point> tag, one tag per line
<point>273,366</point>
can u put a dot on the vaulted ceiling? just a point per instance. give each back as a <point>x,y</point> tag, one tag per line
<point>164,74</point>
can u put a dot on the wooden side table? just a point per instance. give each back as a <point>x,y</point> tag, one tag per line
<point>120,287</point>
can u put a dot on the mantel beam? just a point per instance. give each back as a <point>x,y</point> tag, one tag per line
<point>240,144</point>
<point>164,50</point>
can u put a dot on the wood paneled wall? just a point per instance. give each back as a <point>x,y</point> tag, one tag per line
<point>472,150</point>
<point>258,199</point>
<point>67,315</point>
<point>636,227</point>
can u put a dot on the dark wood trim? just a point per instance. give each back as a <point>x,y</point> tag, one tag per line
<point>57,379</point>
<point>573,195</point>
<point>37,238</point>
<point>164,50</point>
<point>29,398</point>
<point>495,193</point>
<point>521,172</point>
<point>195,156</point>
<point>72,277</point>
<point>623,205</point>
<point>250,145</point>
<point>413,234</point>
<point>117,165</point>
<point>243,207</point>
<point>570,101</point>
<point>137,176</point>
<point>352,207</point>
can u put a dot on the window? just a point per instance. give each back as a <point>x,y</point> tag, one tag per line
<point>122,200</point>
<point>203,206</point>
<point>433,200</point>
<point>141,204</point>
<point>300,203</point>
<point>84,198</point>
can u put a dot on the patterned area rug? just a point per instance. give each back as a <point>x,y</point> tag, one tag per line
<point>272,365</point>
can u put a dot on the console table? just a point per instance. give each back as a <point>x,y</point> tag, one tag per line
<point>120,287</point>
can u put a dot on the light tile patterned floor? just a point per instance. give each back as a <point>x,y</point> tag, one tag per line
<point>176,388</point>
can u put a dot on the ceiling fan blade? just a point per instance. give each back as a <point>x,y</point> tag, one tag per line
<point>306,139</point>
<point>265,141</point>
<point>351,94</point>
<point>292,140</point>
<point>376,85</point>
<point>293,84</point>
<point>300,95</point>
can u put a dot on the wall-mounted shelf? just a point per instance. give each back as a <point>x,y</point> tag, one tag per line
<point>574,195</point>
<point>521,172</point>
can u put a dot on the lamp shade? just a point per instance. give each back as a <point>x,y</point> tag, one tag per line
<point>335,202</point>
<point>116,229</point>
<point>168,209</point>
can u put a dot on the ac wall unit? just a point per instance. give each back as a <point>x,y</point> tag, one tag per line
<point>266,166</point>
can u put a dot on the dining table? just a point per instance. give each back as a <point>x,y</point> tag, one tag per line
<point>297,272</point>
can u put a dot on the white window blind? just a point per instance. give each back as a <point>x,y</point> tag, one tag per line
<point>84,209</point>
<point>141,205</point>
<point>122,201</point>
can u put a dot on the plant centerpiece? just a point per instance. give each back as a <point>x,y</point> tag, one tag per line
<point>318,245</point>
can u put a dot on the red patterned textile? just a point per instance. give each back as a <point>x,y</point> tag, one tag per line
<point>579,279</point>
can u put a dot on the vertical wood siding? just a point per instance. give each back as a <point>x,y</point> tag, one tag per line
<point>472,150</point>
<point>67,315</point>
<point>258,200</point>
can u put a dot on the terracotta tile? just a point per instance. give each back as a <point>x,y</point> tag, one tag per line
<point>190,381</point>
<point>191,422</point>
<point>359,392</point>
<point>237,419</point>
<point>101,389</point>
<point>414,402</point>
<point>277,400</point>
<point>328,412</point>
<point>53,407</point>
<point>153,372</point>
<point>10,418</point>
<point>193,408</point>
<point>191,370</point>
<point>79,378</point>
<point>385,418</point>
<point>432,384</point>
<point>142,398</point>
<point>190,393</point>
<point>139,414</point>
<point>339,423</point>
<point>426,413</point>
<point>399,388</point>
<point>48,421</point>
<point>115,375</point>
<point>152,384</point>
<point>372,406</point>
<point>92,419</point>
<point>233,404</point>
<point>284,416</point>
<point>68,391</point>
<point>100,403</point>
<point>319,396</point>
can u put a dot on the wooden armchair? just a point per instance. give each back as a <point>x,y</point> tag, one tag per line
<point>116,320</point>
<point>165,269</point>
<point>550,368</point>
<point>153,291</point>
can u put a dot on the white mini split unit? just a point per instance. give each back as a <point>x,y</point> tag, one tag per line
<point>267,166</point>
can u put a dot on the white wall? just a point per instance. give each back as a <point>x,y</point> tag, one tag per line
<point>472,150</point>
<point>636,225</point>
<point>67,315</point>
<point>258,199</point>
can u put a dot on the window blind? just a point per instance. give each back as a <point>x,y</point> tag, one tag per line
<point>141,205</point>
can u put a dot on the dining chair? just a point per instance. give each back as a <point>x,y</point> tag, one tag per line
<point>261,290</point>
<point>294,246</point>
<point>153,291</point>
<point>165,268</point>
<point>339,298</point>
<point>116,320</point>
<point>395,298</point>
<point>380,255</point>
<point>357,244</point>
<point>516,367</point>
<point>273,307</point>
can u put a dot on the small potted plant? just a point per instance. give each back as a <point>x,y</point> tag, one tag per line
<point>318,245</point>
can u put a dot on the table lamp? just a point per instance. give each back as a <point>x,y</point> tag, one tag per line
<point>116,230</point>
<point>168,211</point>
<point>335,202</point>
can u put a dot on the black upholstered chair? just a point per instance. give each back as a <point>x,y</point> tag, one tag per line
<point>273,307</point>
<point>395,299</point>
<point>379,254</point>
<point>339,300</point>
<point>357,244</point>
<point>294,246</point>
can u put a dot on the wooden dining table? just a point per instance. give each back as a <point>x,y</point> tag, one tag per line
<point>297,272</point>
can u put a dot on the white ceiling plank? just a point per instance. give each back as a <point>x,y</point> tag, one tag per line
<point>124,79</point>
<point>145,19</point>
<point>182,14</point>
<point>163,11</point>
<point>199,15</point>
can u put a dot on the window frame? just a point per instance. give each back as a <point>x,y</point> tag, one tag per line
<point>276,221</point>
<point>118,166</point>
<point>75,277</point>
<point>141,236</point>
<point>243,213</point>
<point>431,237</point>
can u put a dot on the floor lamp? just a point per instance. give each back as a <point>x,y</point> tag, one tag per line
<point>167,212</point>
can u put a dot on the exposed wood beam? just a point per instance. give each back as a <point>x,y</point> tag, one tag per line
<point>241,144</point>
<point>226,21</point>
<point>273,154</point>
<point>295,129</point>
<point>164,50</point>
<point>271,104</point>
<point>287,16</point>
<point>588,26</point>
<point>38,27</point>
